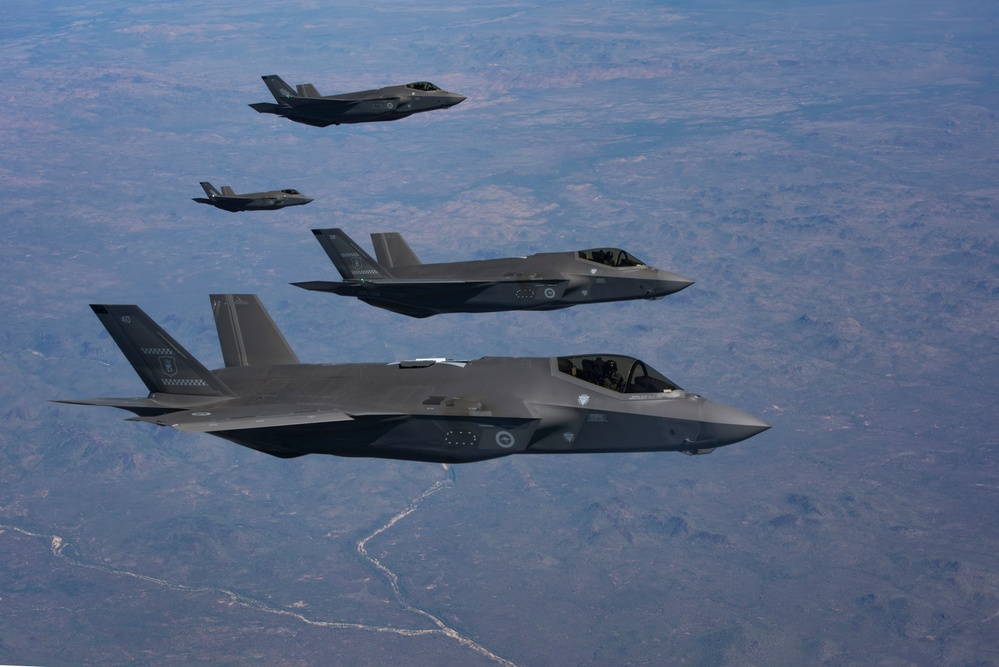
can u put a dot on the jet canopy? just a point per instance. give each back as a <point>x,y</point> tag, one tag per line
<point>610,257</point>
<point>291,191</point>
<point>422,85</point>
<point>624,374</point>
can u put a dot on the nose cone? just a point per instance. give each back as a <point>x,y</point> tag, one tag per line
<point>454,98</point>
<point>726,425</point>
<point>670,283</point>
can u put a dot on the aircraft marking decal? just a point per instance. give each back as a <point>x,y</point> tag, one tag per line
<point>185,383</point>
<point>168,365</point>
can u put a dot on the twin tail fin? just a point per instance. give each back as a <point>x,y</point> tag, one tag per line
<point>162,364</point>
<point>247,335</point>
<point>392,250</point>
<point>210,189</point>
<point>350,259</point>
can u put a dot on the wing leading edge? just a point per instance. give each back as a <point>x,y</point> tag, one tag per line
<point>229,418</point>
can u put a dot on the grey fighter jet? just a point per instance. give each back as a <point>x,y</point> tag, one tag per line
<point>421,410</point>
<point>399,282</point>
<point>227,200</point>
<point>306,105</point>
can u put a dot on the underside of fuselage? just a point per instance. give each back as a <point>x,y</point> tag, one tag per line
<point>399,437</point>
<point>461,307</point>
<point>413,309</point>
<point>437,439</point>
<point>326,121</point>
<point>482,295</point>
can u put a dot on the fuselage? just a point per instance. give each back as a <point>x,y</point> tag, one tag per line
<point>256,201</point>
<point>366,106</point>
<point>447,411</point>
<point>545,281</point>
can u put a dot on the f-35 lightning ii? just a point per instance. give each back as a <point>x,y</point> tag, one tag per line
<point>305,105</point>
<point>227,200</point>
<point>399,282</point>
<point>421,410</point>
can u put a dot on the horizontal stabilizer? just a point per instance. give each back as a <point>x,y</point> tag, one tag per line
<point>157,405</point>
<point>265,107</point>
<point>321,286</point>
<point>245,417</point>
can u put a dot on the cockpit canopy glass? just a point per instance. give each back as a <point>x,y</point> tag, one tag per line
<point>422,85</point>
<point>610,257</point>
<point>291,191</point>
<point>624,374</point>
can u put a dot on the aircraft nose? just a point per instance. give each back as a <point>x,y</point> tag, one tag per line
<point>726,425</point>
<point>670,283</point>
<point>455,98</point>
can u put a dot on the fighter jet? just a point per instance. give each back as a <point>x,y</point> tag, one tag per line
<point>306,105</point>
<point>435,410</point>
<point>399,282</point>
<point>227,200</point>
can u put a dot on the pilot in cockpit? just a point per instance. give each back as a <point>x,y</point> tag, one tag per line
<point>610,377</point>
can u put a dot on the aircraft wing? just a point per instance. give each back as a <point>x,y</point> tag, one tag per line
<point>334,104</point>
<point>164,403</point>
<point>317,103</point>
<point>414,285</point>
<point>406,282</point>
<point>331,286</point>
<point>351,101</point>
<point>229,418</point>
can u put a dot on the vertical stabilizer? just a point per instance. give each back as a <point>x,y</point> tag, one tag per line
<point>281,91</point>
<point>307,90</point>
<point>348,257</point>
<point>209,189</point>
<point>227,191</point>
<point>163,365</point>
<point>247,334</point>
<point>393,251</point>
